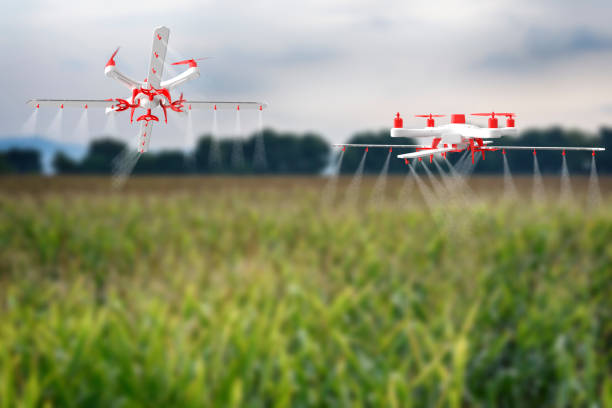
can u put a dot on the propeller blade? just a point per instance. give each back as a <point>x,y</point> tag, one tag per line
<point>492,114</point>
<point>184,62</point>
<point>190,62</point>
<point>429,116</point>
<point>111,60</point>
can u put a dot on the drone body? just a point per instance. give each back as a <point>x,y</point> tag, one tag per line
<point>150,94</point>
<point>457,136</point>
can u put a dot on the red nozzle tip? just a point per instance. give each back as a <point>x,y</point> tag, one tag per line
<point>85,106</point>
<point>37,105</point>
<point>406,161</point>
<point>390,149</point>
<point>260,107</point>
<point>563,153</point>
<point>62,106</point>
<point>367,149</point>
<point>593,152</point>
<point>215,107</point>
<point>503,151</point>
<point>237,107</point>
<point>189,107</point>
<point>534,152</point>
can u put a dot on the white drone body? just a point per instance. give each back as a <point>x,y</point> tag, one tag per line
<point>458,136</point>
<point>150,94</point>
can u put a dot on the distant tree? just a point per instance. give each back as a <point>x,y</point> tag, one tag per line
<point>23,161</point>
<point>604,159</point>
<point>202,155</point>
<point>281,150</point>
<point>62,164</point>
<point>100,156</point>
<point>166,162</point>
<point>147,164</point>
<point>4,165</point>
<point>313,154</point>
<point>172,162</point>
<point>285,153</point>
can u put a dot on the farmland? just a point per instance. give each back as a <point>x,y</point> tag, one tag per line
<point>277,292</point>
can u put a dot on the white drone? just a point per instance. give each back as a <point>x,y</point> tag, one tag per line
<point>458,136</point>
<point>151,93</point>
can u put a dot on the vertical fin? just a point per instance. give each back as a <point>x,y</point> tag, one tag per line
<point>158,56</point>
<point>144,137</point>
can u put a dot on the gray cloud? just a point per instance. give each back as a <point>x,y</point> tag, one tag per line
<point>540,46</point>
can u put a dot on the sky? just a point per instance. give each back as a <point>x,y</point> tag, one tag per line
<point>330,67</point>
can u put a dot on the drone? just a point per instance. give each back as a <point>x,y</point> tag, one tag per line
<point>150,94</point>
<point>458,136</point>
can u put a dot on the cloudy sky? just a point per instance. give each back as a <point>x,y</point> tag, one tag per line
<point>334,67</point>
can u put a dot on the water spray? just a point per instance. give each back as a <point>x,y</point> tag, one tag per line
<point>450,183</point>
<point>378,192</point>
<point>214,154</point>
<point>190,162</point>
<point>435,184</point>
<point>329,192</point>
<point>406,189</point>
<point>510,191</point>
<point>538,184</point>
<point>124,163</point>
<point>57,124</point>
<point>29,126</point>
<point>426,192</point>
<point>259,159</point>
<point>594,192</point>
<point>110,127</point>
<point>237,150</point>
<point>352,191</point>
<point>81,131</point>
<point>566,185</point>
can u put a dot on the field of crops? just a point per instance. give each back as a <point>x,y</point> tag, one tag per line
<point>277,292</point>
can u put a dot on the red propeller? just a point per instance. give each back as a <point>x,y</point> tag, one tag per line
<point>111,61</point>
<point>492,119</point>
<point>509,118</point>
<point>191,62</point>
<point>430,120</point>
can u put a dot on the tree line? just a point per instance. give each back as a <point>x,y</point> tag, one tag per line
<point>286,153</point>
<point>272,152</point>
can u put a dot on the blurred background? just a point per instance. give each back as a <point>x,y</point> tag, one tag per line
<point>244,261</point>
